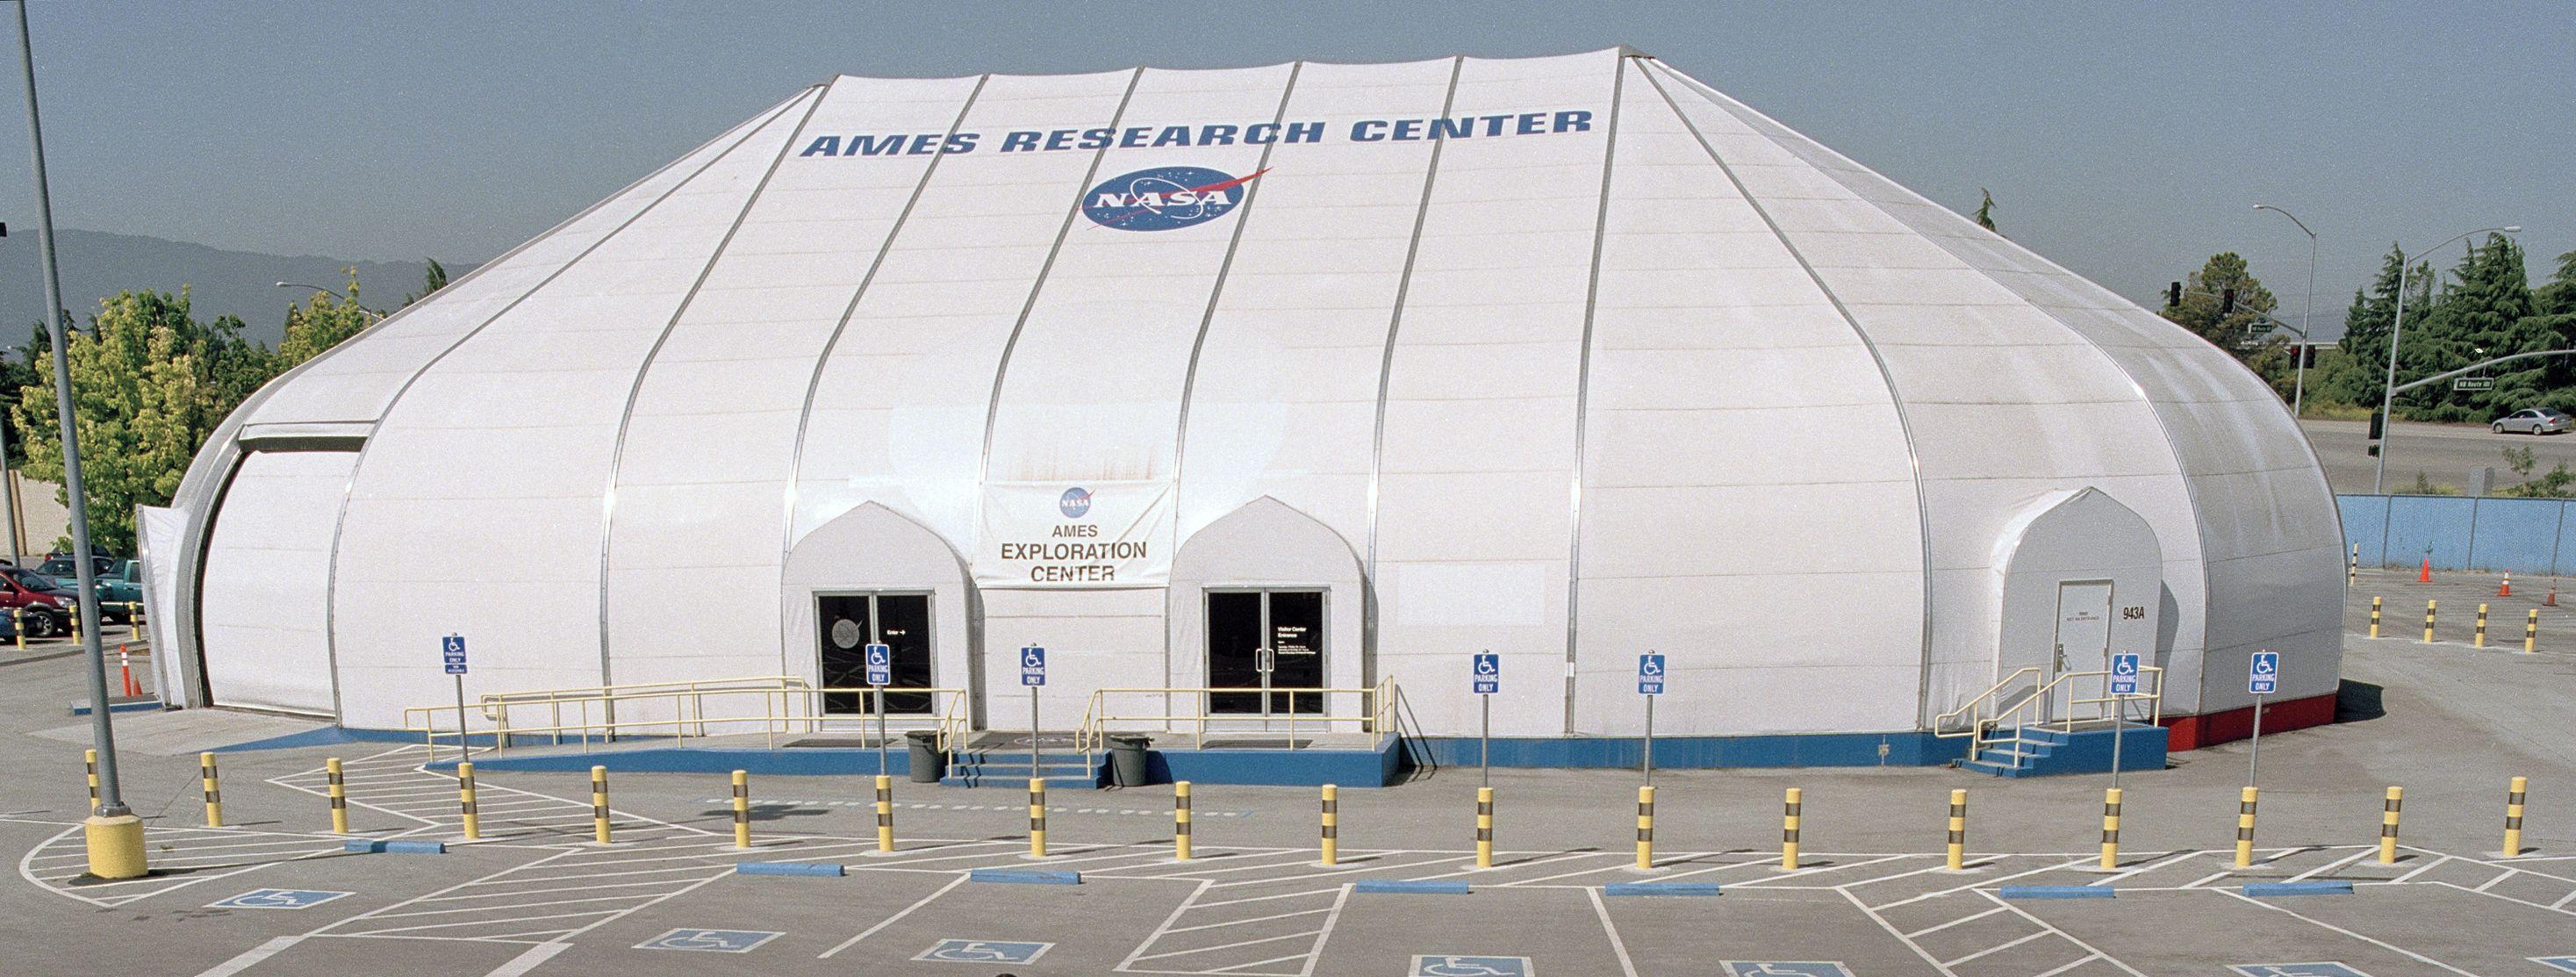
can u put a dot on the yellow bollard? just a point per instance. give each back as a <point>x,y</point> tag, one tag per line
<point>2481,639</point>
<point>2513,817</point>
<point>1181,821</point>
<point>214,790</point>
<point>2245,828</point>
<point>71,610</point>
<point>90,757</point>
<point>742,809</point>
<point>1484,827</point>
<point>1331,830</point>
<point>1958,849</point>
<point>1645,827</point>
<point>115,846</point>
<point>1790,811</point>
<point>2388,825</point>
<point>599,804</point>
<point>2110,828</point>
<point>471,815</point>
<point>2374,617</point>
<point>2428,620</point>
<point>1037,817</point>
<point>2531,632</point>
<point>339,790</point>
<point>885,813</point>
<point>18,625</point>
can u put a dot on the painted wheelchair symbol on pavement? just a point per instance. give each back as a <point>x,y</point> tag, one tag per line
<point>719,941</point>
<point>2567,964</point>
<point>1445,965</point>
<point>983,951</point>
<point>1783,968</point>
<point>2318,969</point>
<point>278,899</point>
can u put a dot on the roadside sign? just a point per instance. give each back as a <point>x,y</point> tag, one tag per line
<point>451,652</point>
<point>719,941</point>
<point>1489,673</point>
<point>278,899</point>
<point>2124,673</point>
<point>880,665</point>
<point>1783,968</point>
<point>1032,669</point>
<point>2319,969</point>
<point>2265,677</point>
<point>983,951</point>
<point>1446,965</point>
<point>1650,674</point>
<point>2473,383</point>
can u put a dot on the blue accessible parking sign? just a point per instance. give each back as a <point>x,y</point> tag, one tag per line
<point>1489,673</point>
<point>1650,674</point>
<point>983,951</point>
<point>451,653</point>
<point>1783,968</point>
<point>1032,665</point>
<point>718,941</point>
<point>880,665</point>
<point>2264,677</point>
<point>2124,674</point>
<point>1445,965</point>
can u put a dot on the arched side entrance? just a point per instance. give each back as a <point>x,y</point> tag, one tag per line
<point>1266,597</point>
<point>869,576</point>
<point>2083,580</point>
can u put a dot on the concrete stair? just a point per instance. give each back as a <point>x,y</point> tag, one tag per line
<point>1062,769</point>
<point>2043,752</point>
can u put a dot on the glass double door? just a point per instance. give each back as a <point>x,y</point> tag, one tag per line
<point>1262,641</point>
<point>847,623</point>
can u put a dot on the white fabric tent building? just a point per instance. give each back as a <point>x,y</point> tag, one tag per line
<point>1568,358</point>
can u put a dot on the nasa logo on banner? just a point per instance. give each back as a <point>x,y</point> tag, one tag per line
<point>1074,503</point>
<point>1165,198</point>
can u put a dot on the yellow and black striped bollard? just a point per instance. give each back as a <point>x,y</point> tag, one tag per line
<point>2531,632</point>
<point>71,611</point>
<point>2481,638</point>
<point>1958,847</point>
<point>1037,817</point>
<point>2388,825</point>
<point>466,810</point>
<point>1484,827</point>
<point>1330,830</point>
<point>2374,617</point>
<point>2110,828</point>
<point>1645,827</point>
<point>2428,620</point>
<point>742,808</point>
<point>1181,821</point>
<point>18,625</point>
<point>599,805</point>
<point>2513,816</point>
<point>2245,827</point>
<point>885,814</point>
<point>214,790</point>
<point>339,791</point>
<point>90,757</point>
<point>1791,810</point>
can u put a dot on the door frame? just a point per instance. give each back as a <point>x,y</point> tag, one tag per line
<point>2058,661</point>
<point>1265,719</point>
<point>876,631</point>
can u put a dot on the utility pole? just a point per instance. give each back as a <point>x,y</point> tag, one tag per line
<point>114,834</point>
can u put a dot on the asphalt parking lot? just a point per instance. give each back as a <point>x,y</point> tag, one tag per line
<point>277,895</point>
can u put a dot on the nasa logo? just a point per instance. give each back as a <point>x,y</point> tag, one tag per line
<point>1165,198</point>
<point>1074,503</point>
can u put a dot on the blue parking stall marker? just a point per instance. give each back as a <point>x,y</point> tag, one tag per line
<point>2317,969</point>
<point>787,868</point>
<point>713,941</point>
<point>1024,876</point>
<point>1462,965</point>
<point>1783,968</point>
<point>2260,889</point>
<point>2567,963</point>
<point>983,951</point>
<point>278,899</point>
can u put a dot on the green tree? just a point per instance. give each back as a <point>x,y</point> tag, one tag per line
<point>1986,210</point>
<point>2238,329</point>
<point>433,280</point>
<point>2366,325</point>
<point>2484,311</point>
<point>319,324</point>
<point>2558,295</point>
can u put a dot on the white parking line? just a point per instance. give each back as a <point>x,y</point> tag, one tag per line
<point>1617,946</point>
<point>2382,944</point>
<point>891,920</point>
<point>2043,924</point>
<point>243,960</point>
<point>528,961</point>
<point>1963,919</point>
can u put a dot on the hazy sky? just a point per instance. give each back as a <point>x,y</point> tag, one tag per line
<point>2126,141</point>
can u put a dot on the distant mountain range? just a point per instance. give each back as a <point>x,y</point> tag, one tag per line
<point>96,264</point>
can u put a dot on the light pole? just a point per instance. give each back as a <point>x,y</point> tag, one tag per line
<point>344,300</point>
<point>2307,313</point>
<point>2388,392</point>
<point>113,834</point>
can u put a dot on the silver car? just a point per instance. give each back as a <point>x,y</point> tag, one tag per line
<point>2533,420</point>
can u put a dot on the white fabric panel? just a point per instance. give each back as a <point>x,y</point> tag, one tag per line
<point>496,464</point>
<point>157,531</point>
<point>899,405</point>
<point>1479,455</point>
<point>711,439</point>
<point>267,582</point>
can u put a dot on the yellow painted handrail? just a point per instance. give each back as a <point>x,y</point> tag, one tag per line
<point>1375,715</point>
<point>1975,707</point>
<point>785,704</point>
<point>2151,683</point>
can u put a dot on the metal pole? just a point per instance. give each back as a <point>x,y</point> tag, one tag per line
<point>2254,751</point>
<point>9,492</point>
<point>111,800</point>
<point>1033,732</point>
<point>2307,321</point>
<point>881,731</point>
<point>2388,393</point>
<point>461,751</point>
<point>2119,718</point>
<point>1650,739</point>
<point>1485,744</point>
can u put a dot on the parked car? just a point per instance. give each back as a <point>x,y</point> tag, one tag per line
<point>2533,420</point>
<point>60,566</point>
<point>37,599</point>
<point>120,591</point>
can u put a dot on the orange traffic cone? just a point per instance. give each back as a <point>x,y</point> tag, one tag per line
<point>2425,575</point>
<point>130,687</point>
<point>2506,589</point>
<point>2553,594</point>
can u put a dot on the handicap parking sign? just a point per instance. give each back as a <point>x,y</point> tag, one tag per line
<point>1782,968</point>
<point>880,665</point>
<point>983,951</point>
<point>278,899</point>
<point>2265,677</point>
<point>451,653</point>
<point>1032,665</point>
<point>1445,965</point>
<point>2296,970</point>
<point>1650,674</point>
<point>719,941</point>
<point>1489,673</point>
<point>2124,673</point>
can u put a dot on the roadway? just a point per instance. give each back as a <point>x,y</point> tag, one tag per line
<point>2442,453</point>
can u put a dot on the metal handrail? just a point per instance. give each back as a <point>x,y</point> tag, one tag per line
<point>1974,707</point>
<point>2151,682</point>
<point>1376,713</point>
<point>786,704</point>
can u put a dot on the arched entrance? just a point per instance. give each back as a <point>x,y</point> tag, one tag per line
<point>2083,580</point>
<point>873,576</point>
<point>1263,600</point>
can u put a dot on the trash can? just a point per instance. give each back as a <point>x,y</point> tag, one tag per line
<point>928,764</point>
<point>1127,759</point>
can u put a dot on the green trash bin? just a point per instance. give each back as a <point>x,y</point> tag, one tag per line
<point>1127,759</point>
<point>928,764</point>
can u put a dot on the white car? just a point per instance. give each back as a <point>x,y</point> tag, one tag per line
<point>2533,420</point>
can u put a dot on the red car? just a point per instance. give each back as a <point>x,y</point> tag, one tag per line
<point>45,613</point>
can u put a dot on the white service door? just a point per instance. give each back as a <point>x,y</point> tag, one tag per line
<point>2083,645</point>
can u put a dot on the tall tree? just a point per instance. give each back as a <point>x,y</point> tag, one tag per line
<point>1986,210</point>
<point>2484,311</point>
<point>319,324</point>
<point>2366,325</point>
<point>2238,328</point>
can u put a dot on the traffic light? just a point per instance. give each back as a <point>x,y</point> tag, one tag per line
<point>2173,296</point>
<point>2377,421</point>
<point>2226,301</point>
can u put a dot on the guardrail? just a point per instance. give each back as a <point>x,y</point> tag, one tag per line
<point>769,705</point>
<point>2039,708</point>
<point>1376,713</point>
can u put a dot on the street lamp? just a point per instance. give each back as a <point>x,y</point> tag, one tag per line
<point>2388,392</point>
<point>2307,313</point>
<point>344,300</point>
